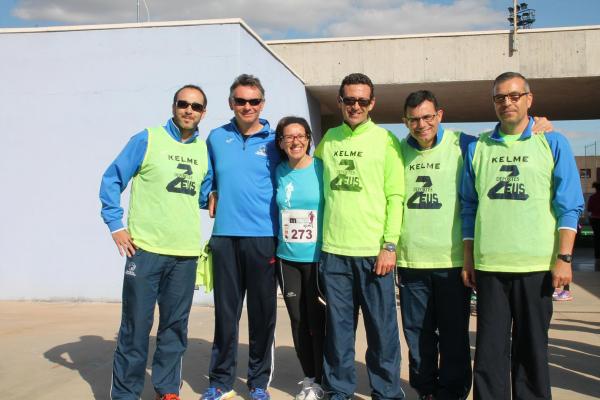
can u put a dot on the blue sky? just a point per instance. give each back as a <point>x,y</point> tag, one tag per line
<point>305,18</point>
<point>290,19</point>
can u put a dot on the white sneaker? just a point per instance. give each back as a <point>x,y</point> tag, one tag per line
<point>315,392</point>
<point>307,384</point>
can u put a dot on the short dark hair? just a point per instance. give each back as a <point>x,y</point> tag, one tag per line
<point>283,123</point>
<point>246,80</point>
<point>190,86</point>
<point>507,76</point>
<point>357,79</point>
<point>596,185</point>
<point>416,98</point>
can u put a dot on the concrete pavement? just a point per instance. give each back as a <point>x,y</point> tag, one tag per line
<point>53,350</point>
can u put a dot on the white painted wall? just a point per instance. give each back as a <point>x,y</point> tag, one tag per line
<point>69,101</point>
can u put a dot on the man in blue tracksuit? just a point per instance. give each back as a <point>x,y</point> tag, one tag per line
<point>167,165</point>
<point>244,157</point>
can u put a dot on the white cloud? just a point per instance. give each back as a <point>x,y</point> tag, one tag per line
<point>274,19</point>
<point>412,16</point>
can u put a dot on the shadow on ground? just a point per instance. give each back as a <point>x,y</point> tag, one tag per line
<point>573,365</point>
<point>92,356</point>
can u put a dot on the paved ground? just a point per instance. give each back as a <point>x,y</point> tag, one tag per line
<point>64,350</point>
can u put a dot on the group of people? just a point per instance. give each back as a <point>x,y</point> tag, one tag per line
<point>437,213</point>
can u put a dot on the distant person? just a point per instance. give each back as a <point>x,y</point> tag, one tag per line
<point>593,208</point>
<point>517,186</point>
<point>162,243</point>
<point>364,191</point>
<point>299,180</point>
<point>562,294</point>
<point>244,156</point>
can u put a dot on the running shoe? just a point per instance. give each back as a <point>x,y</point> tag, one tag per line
<point>315,392</point>
<point>168,396</point>
<point>306,384</point>
<point>213,393</point>
<point>259,394</point>
<point>556,293</point>
<point>564,295</point>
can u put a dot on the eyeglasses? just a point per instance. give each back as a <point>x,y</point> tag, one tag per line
<point>426,118</point>
<point>184,104</point>
<point>291,138</point>
<point>513,97</point>
<point>238,101</point>
<point>350,101</point>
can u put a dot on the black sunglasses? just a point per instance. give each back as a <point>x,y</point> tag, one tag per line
<point>242,102</point>
<point>184,104</point>
<point>350,101</point>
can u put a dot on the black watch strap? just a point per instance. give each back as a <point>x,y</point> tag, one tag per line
<point>568,258</point>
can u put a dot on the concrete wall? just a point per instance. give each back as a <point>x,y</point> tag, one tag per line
<point>562,65</point>
<point>70,100</point>
<point>472,56</point>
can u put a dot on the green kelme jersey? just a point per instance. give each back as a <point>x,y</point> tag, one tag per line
<point>515,226</point>
<point>164,214</point>
<point>431,234</point>
<point>363,187</point>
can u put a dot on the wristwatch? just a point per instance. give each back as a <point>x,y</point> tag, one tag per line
<point>389,246</point>
<point>568,258</point>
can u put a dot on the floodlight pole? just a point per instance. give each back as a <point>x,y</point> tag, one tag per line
<point>138,11</point>
<point>514,36</point>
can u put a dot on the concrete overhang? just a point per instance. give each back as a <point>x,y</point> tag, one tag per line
<point>562,65</point>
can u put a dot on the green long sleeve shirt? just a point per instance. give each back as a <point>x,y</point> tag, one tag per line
<point>363,179</point>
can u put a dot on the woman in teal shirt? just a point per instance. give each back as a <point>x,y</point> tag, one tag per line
<point>299,180</point>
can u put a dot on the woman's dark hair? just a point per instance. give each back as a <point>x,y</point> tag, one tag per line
<point>596,185</point>
<point>283,123</point>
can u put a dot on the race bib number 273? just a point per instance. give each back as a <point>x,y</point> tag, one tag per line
<point>299,226</point>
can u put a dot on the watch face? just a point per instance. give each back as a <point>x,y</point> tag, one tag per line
<point>565,257</point>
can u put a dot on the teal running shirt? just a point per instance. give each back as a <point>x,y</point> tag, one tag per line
<point>300,206</point>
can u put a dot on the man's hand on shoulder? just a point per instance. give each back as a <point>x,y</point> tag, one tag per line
<point>386,261</point>
<point>124,242</point>
<point>541,125</point>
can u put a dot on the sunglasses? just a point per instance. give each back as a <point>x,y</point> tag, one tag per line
<point>350,101</point>
<point>184,104</point>
<point>238,101</point>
